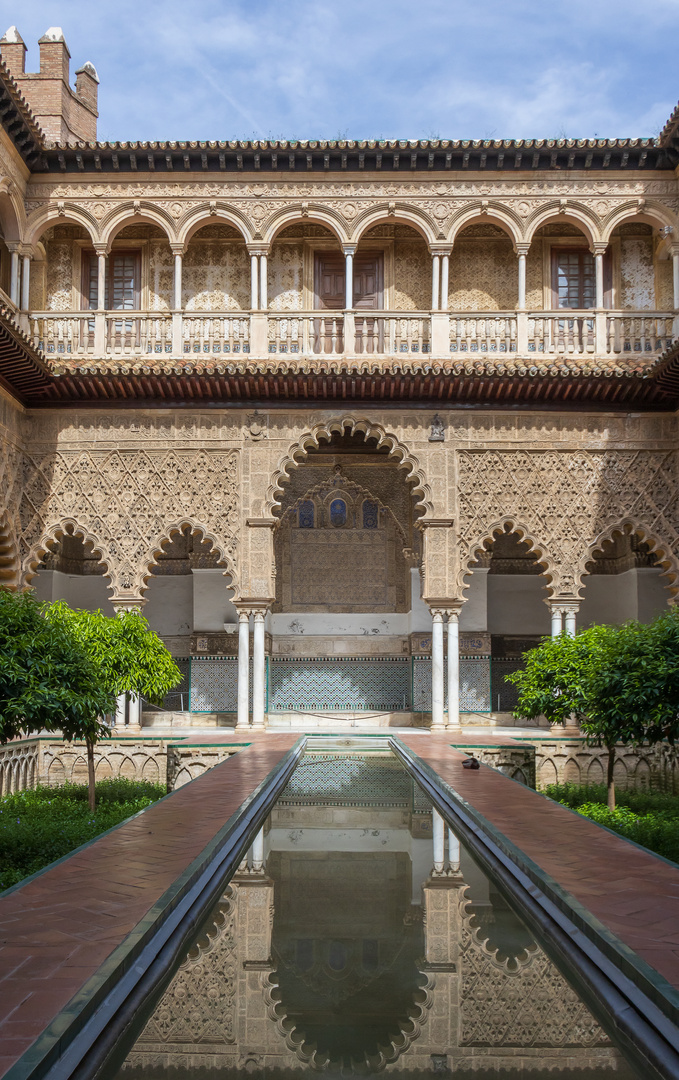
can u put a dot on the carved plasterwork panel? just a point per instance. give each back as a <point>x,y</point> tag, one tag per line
<point>637,274</point>
<point>412,276</point>
<point>285,277</point>
<point>126,503</point>
<point>560,499</point>
<point>483,275</point>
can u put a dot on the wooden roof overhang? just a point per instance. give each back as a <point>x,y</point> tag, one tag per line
<point>23,372</point>
<point>19,123</point>
<point>508,384</point>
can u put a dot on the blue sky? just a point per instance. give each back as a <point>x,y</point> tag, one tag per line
<point>483,69</point>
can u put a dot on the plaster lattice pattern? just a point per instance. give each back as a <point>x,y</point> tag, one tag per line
<point>412,276</point>
<point>127,503</point>
<point>285,277</point>
<point>559,499</point>
<point>483,275</point>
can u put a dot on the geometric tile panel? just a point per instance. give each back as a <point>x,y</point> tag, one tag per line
<point>214,685</point>
<point>349,780</point>
<point>474,685</point>
<point>339,684</point>
<point>504,695</point>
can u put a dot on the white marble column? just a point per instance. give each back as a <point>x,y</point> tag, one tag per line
<point>439,839</point>
<point>435,281</point>
<point>25,282</point>
<point>134,711</point>
<point>177,284</point>
<point>453,851</point>
<point>259,671</point>
<point>254,282</point>
<point>14,278</point>
<point>522,252</point>
<point>263,282</point>
<point>437,723</point>
<point>445,281</point>
<point>557,620</point>
<point>101,280</point>
<point>599,272</point>
<point>258,851</point>
<point>121,702</point>
<point>453,670</point>
<point>570,612</point>
<point>349,278</point>
<point>675,277</point>
<point>243,715</point>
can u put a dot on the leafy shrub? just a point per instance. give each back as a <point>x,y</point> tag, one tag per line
<point>648,818</point>
<point>39,826</point>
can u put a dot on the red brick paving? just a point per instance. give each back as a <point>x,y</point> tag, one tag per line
<point>633,893</point>
<point>57,930</point>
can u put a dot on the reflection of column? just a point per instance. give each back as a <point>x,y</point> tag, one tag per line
<point>453,670</point>
<point>243,718</point>
<point>254,286</point>
<point>437,672</point>
<point>453,850</point>
<point>557,620</point>
<point>438,834</point>
<point>435,281</point>
<point>258,673</point>
<point>258,851</point>
<point>25,282</point>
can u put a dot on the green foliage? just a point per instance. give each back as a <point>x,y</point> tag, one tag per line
<point>47,680</point>
<point>130,657</point>
<point>649,819</point>
<point>39,826</point>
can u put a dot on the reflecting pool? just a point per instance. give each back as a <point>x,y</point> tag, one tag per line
<point>361,937</point>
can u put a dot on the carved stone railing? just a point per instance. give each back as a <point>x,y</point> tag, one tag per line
<point>561,333</point>
<point>485,332</point>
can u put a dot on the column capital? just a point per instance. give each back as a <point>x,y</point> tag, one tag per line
<point>437,613</point>
<point>101,248</point>
<point>349,249</point>
<point>599,247</point>
<point>177,248</point>
<point>125,603</point>
<point>521,248</point>
<point>440,249</point>
<point>243,612</point>
<point>258,249</point>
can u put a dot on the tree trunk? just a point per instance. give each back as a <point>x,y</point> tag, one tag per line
<point>90,773</point>
<point>609,778</point>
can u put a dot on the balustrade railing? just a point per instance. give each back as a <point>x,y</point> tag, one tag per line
<point>381,333</point>
<point>485,332</point>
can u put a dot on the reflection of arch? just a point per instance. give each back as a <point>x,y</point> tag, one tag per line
<point>494,214</point>
<point>67,526</point>
<point>9,555</point>
<point>651,213</point>
<point>579,216</point>
<point>147,214</point>
<point>308,1054</point>
<point>509,964</point>
<point>312,215</point>
<point>399,214</point>
<point>660,548</point>
<point>195,529</point>
<point>350,425</point>
<point>507,524</point>
<point>221,215</point>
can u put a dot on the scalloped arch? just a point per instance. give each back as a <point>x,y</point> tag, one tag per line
<point>402,214</point>
<point>202,215</point>
<point>477,547</point>
<point>662,549</point>
<point>125,215</point>
<point>46,216</point>
<point>653,213</point>
<point>10,571</point>
<point>197,529</point>
<point>313,213</point>
<point>493,214</point>
<point>339,425</point>
<point>52,535</point>
<point>574,214</point>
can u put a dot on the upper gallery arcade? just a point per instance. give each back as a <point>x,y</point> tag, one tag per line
<point>354,421</point>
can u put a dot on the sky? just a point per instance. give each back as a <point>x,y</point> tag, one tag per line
<point>368,69</point>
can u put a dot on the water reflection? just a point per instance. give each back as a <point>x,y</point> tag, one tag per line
<point>367,941</point>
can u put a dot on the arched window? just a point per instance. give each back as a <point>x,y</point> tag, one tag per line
<point>306,514</point>
<point>370,514</point>
<point>338,513</point>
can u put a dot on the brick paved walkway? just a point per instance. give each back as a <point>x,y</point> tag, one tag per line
<point>633,893</point>
<point>57,930</point>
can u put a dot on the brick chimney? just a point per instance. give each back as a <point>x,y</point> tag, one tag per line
<point>64,114</point>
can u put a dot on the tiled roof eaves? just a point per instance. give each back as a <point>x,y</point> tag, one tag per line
<point>670,133</point>
<point>18,120</point>
<point>370,144</point>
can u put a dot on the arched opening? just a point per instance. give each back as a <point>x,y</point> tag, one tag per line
<point>215,289</point>
<point>306,272</point>
<point>347,588</point>
<point>5,268</point>
<point>60,290</point>
<point>72,570</point>
<point>189,605</point>
<point>503,616</point>
<point>392,272</point>
<point>483,270</point>
<point>641,290</point>
<point>624,581</point>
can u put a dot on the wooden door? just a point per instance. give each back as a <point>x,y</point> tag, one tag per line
<point>368,279</point>
<point>330,280</point>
